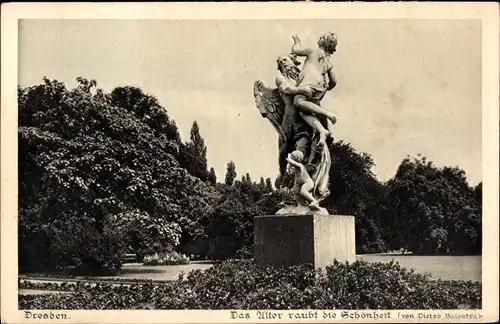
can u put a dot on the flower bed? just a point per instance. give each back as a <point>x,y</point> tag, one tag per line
<point>170,258</point>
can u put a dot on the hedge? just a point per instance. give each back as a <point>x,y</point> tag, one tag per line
<point>245,285</point>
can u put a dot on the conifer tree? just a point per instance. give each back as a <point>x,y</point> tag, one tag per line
<point>212,177</point>
<point>230,173</point>
<point>194,154</point>
<point>269,185</point>
<point>248,180</point>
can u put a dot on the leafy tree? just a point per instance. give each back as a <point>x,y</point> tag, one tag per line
<point>229,226</point>
<point>432,210</point>
<point>230,173</point>
<point>354,190</point>
<point>145,108</point>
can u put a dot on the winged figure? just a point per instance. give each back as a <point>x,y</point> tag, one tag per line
<point>296,130</point>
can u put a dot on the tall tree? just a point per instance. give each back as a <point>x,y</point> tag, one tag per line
<point>194,154</point>
<point>173,132</point>
<point>262,185</point>
<point>248,180</point>
<point>269,185</point>
<point>198,141</point>
<point>433,209</point>
<point>230,173</point>
<point>354,190</point>
<point>478,193</point>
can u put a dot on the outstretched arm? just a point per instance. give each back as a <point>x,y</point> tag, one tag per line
<point>297,48</point>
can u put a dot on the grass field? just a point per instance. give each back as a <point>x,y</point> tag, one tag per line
<point>440,267</point>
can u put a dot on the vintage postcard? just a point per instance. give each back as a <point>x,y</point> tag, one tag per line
<point>249,162</point>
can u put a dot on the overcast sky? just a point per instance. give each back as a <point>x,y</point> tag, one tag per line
<point>404,87</point>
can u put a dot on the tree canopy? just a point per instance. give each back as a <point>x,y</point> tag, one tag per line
<point>100,173</point>
<point>433,209</point>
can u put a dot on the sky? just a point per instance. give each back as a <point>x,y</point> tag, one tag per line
<point>405,87</point>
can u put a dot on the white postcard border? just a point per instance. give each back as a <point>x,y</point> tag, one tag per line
<point>487,12</point>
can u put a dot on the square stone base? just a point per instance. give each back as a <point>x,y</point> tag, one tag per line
<point>286,240</point>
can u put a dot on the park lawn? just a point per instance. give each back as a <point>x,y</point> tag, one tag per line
<point>440,267</point>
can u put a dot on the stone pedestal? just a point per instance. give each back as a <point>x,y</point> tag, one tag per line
<point>293,239</point>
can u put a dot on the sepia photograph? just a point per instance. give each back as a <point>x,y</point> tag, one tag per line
<point>287,169</point>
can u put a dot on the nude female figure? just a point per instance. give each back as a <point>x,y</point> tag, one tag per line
<point>316,78</point>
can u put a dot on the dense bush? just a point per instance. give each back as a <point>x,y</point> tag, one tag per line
<point>245,285</point>
<point>72,286</point>
<point>84,279</point>
<point>228,226</point>
<point>46,286</point>
<point>169,258</point>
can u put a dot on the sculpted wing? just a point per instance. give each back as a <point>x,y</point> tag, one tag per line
<point>270,105</point>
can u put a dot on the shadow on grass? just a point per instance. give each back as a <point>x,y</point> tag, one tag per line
<point>145,269</point>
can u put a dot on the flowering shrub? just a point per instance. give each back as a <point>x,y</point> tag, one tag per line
<point>170,258</point>
<point>245,285</point>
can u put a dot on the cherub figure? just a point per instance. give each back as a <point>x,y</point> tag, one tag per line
<point>316,78</point>
<point>303,184</point>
